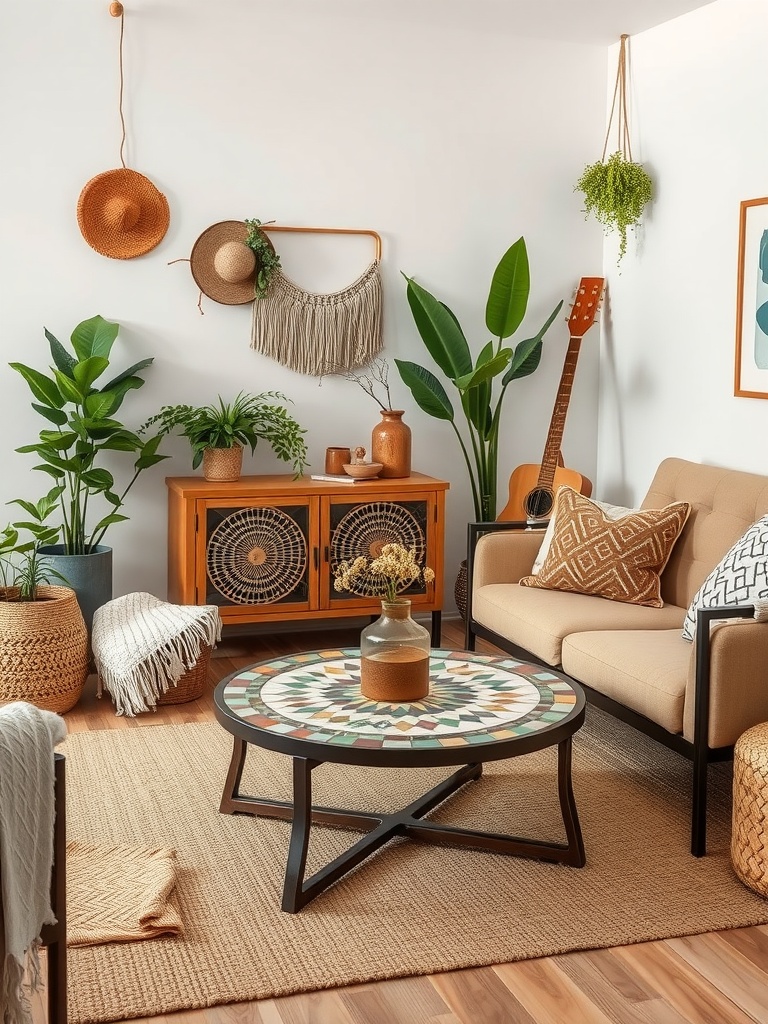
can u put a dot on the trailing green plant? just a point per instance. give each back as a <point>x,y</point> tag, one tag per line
<point>244,421</point>
<point>83,429</point>
<point>267,259</point>
<point>23,568</point>
<point>474,378</point>
<point>616,192</point>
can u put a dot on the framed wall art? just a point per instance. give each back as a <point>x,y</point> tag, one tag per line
<point>751,377</point>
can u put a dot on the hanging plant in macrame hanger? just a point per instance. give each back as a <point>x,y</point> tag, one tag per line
<point>616,190</point>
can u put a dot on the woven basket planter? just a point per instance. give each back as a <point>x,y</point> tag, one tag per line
<point>43,649</point>
<point>749,838</point>
<point>192,684</point>
<point>225,464</point>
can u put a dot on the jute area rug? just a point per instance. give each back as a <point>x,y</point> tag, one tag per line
<point>412,908</point>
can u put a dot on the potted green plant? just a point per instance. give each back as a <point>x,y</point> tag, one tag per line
<point>218,432</point>
<point>473,378</point>
<point>43,638</point>
<point>81,433</point>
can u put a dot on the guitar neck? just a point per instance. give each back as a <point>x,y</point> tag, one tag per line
<point>551,455</point>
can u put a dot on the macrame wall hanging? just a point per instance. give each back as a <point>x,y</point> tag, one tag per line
<point>316,333</point>
<point>121,214</point>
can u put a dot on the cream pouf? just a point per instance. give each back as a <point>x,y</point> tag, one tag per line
<point>749,839</point>
<point>143,647</point>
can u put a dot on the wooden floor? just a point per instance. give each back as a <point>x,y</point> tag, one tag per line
<point>718,978</point>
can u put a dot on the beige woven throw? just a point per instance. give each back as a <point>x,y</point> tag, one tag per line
<point>314,333</point>
<point>120,894</point>
<point>142,645</point>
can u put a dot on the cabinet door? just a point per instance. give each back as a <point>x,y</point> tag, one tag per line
<point>257,560</point>
<point>363,527</point>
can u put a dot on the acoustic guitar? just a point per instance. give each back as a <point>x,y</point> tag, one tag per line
<point>532,487</point>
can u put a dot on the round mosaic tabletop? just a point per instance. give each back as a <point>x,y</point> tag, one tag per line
<point>478,705</point>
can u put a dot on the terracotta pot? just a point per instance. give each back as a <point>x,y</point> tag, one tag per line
<point>224,464</point>
<point>391,444</point>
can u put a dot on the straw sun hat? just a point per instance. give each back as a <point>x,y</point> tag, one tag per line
<point>121,214</point>
<point>223,266</point>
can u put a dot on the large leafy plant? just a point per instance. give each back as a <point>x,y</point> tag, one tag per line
<point>83,430</point>
<point>474,379</point>
<point>244,421</point>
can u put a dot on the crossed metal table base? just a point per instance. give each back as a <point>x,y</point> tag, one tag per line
<point>298,891</point>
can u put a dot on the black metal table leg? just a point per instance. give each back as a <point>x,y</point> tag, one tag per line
<point>437,629</point>
<point>297,851</point>
<point>576,856</point>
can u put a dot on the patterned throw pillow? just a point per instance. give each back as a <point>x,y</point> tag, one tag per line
<point>740,578</point>
<point>617,559</point>
<point>612,511</point>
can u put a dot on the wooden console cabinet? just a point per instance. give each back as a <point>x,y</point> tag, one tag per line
<point>264,549</point>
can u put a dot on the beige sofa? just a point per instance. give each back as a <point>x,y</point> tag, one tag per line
<point>632,660</point>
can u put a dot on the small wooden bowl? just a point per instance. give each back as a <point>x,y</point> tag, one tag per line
<point>364,471</point>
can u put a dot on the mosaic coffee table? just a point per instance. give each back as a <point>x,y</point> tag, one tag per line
<point>480,708</point>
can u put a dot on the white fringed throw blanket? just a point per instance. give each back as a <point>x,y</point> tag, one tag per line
<point>142,646</point>
<point>314,333</point>
<point>27,811</point>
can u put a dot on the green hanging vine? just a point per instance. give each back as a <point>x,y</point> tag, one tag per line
<point>616,191</point>
<point>267,259</point>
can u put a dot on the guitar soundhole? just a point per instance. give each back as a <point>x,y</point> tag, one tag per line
<point>538,504</point>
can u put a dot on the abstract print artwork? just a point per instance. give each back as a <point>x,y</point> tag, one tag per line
<point>751,377</point>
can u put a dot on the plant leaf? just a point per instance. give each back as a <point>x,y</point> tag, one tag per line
<point>528,353</point>
<point>94,337</point>
<point>63,359</point>
<point>439,330</point>
<point>43,388</point>
<point>142,364</point>
<point>485,371</point>
<point>429,393</point>
<point>57,416</point>
<point>508,295</point>
<point>88,370</point>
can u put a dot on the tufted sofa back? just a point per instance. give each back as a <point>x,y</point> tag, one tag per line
<point>724,503</point>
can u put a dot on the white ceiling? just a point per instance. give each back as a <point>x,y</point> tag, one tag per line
<point>591,22</point>
<point>595,21</point>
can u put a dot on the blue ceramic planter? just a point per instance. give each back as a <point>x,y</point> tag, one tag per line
<point>90,576</point>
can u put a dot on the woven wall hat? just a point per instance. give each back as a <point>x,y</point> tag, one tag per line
<point>223,266</point>
<point>122,214</point>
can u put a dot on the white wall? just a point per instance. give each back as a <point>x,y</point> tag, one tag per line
<point>666,380</point>
<point>449,141</point>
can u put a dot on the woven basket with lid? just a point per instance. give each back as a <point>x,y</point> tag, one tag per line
<point>43,649</point>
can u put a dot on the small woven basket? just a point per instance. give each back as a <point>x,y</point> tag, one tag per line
<point>192,684</point>
<point>749,838</point>
<point>43,649</point>
<point>224,464</point>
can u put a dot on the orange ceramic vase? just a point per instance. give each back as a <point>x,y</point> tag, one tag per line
<point>391,444</point>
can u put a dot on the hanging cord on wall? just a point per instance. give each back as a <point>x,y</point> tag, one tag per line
<point>620,93</point>
<point>117,11</point>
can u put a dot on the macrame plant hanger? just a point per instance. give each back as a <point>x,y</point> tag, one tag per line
<point>620,94</point>
<point>317,333</point>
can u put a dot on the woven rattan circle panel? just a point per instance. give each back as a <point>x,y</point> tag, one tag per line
<point>365,529</point>
<point>256,555</point>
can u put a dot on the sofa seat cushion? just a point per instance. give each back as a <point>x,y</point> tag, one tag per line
<point>537,620</point>
<point>649,677</point>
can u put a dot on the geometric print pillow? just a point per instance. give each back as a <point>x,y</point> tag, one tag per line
<point>739,578</point>
<point>620,559</point>
<point>612,511</point>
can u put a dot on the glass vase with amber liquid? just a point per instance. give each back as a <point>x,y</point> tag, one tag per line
<point>394,656</point>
